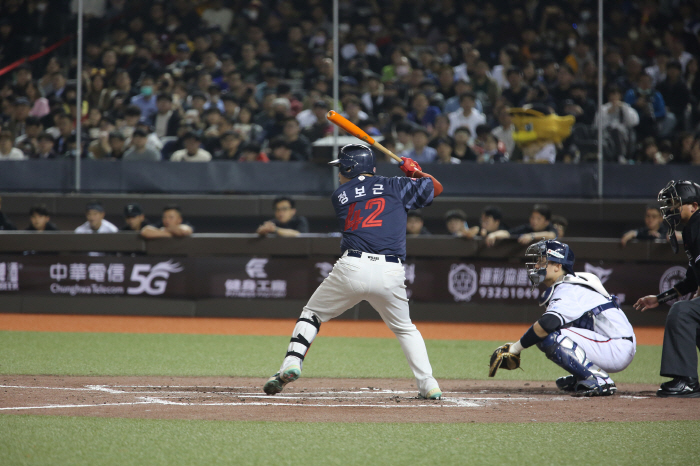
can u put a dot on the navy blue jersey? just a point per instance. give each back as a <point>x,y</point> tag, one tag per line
<point>371,211</point>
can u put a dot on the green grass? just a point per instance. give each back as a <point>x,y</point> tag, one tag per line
<point>43,440</point>
<point>36,353</point>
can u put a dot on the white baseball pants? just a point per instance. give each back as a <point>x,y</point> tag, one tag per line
<point>380,283</point>
<point>611,355</point>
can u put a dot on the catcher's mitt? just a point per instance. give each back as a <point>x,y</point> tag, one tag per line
<point>502,358</point>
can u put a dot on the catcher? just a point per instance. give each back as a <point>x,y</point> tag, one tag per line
<point>583,330</point>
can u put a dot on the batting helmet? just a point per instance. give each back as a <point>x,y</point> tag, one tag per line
<point>354,160</point>
<point>675,195</point>
<point>548,251</point>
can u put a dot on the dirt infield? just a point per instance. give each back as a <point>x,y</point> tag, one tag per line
<point>329,400</point>
<point>315,400</point>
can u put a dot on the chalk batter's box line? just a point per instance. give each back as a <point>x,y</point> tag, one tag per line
<point>451,401</point>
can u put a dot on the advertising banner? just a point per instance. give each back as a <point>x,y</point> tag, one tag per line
<point>242,277</point>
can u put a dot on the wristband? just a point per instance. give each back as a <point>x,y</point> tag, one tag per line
<point>530,338</point>
<point>667,295</point>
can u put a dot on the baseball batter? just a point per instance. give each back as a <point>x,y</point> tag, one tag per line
<point>583,329</point>
<point>371,212</point>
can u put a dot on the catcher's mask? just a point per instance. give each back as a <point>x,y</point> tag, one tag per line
<point>542,252</point>
<point>675,195</point>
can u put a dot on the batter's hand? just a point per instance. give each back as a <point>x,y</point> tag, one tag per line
<point>409,166</point>
<point>647,302</point>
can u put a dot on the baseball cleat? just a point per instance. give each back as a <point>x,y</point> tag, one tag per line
<point>276,383</point>
<point>680,387</point>
<point>434,394</point>
<point>591,387</point>
<point>568,383</point>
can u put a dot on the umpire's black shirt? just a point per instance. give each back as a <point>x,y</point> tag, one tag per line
<point>691,243</point>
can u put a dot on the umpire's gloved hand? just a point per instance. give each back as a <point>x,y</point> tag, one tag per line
<point>409,166</point>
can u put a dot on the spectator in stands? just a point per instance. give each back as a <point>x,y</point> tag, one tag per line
<point>230,146</point>
<point>655,227</point>
<point>562,91</point>
<point>192,151</point>
<point>170,226</point>
<point>491,220</point>
<point>96,222</point>
<point>561,224</point>
<point>651,108</point>
<point>58,85</point>
<point>7,149</point>
<point>456,222</point>
<point>485,87</point>
<point>507,58</point>
<point>467,115</point>
<point>675,93</point>
<point>250,130</point>
<point>421,152</point>
<point>539,227</point>
<point>517,90</point>
<point>109,145</point>
<point>683,148</point>
<point>20,113</point>
<point>29,142</point>
<point>504,131</point>
<point>231,107</point>
<point>5,223</point>
<point>319,127</point>
<point>139,151</point>
<point>415,224</point>
<point>279,151</point>
<point>250,152</point>
<point>45,147</point>
<point>493,150</point>
<point>39,219</point>
<point>423,113</point>
<point>166,121</point>
<point>444,152</point>
<point>39,104</point>
<point>286,222</point>
<point>440,131</point>
<point>218,15</point>
<point>297,142</point>
<point>353,111</point>
<point>134,217</point>
<point>97,95</point>
<point>461,148</point>
<point>618,119</point>
<point>580,106</point>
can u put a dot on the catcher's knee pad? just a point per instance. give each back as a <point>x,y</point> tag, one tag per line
<point>305,331</point>
<point>567,354</point>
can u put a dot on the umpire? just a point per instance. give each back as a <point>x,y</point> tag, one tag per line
<point>679,360</point>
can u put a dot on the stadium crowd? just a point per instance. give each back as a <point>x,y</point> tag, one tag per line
<point>250,81</point>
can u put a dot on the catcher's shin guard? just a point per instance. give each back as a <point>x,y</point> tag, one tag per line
<point>565,353</point>
<point>305,331</point>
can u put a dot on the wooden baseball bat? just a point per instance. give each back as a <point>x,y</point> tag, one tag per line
<point>342,122</point>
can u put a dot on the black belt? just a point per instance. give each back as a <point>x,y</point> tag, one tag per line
<point>628,339</point>
<point>388,257</point>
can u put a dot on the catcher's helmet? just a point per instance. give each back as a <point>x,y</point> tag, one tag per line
<point>675,195</point>
<point>544,251</point>
<point>354,160</point>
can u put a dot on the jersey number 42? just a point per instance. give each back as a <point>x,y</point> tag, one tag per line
<point>354,220</point>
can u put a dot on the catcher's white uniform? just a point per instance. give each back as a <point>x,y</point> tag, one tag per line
<point>605,335</point>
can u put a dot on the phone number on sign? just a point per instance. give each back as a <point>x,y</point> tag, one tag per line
<point>505,292</point>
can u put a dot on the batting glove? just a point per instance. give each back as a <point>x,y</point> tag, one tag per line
<point>409,166</point>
